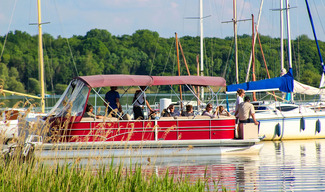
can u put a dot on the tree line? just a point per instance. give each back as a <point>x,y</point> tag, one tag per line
<point>143,53</point>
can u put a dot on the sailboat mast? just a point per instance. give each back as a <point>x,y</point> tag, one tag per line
<point>321,84</point>
<point>289,34</point>
<point>40,52</point>
<point>256,26</point>
<point>201,45</point>
<point>253,56</point>
<point>289,95</point>
<point>281,34</point>
<point>235,36</point>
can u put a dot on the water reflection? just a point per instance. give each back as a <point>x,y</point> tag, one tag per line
<point>280,166</point>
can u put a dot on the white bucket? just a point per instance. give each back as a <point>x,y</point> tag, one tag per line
<point>164,103</point>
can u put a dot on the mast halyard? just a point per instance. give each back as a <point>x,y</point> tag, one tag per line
<point>256,26</point>
<point>235,21</point>
<point>281,34</point>
<point>289,34</point>
<point>321,84</point>
<point>235,36</point>
<point>201,46</point>
<point>40,52</point>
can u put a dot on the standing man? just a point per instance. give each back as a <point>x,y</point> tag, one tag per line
<point>245,110</point>
<point>139,100</point>
<point>240,96</point>
<point>112,99</point>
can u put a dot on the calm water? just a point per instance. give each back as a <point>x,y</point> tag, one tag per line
<point>280,166</point>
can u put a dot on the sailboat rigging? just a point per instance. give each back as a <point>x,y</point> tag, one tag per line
<point>279,121</point>
<point>41,62</point>
<point>321,84</point>
<point>40,52</point>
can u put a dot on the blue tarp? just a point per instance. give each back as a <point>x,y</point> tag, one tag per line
<point>283,83</point>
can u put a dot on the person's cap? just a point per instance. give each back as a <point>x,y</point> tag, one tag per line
<point>246,98</point>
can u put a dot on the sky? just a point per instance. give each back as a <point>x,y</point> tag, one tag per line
<point>120,17</point>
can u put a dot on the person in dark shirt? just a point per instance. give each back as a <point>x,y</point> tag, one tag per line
<point>112,99</point>
<point>139,101</point>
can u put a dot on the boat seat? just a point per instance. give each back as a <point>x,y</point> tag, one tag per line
<point>224,117</point>
<point>87,119</point>
<point>202,117</point>
<point>107,119</point>
<point>166,118</point>
<point>183,117</point>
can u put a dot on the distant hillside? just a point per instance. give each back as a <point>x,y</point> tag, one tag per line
<point>144,52</point>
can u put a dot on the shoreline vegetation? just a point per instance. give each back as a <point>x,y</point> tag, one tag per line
<point>142,53</point>
<point>36,176</point>
<point>30,173</point>
<point>17,174</point>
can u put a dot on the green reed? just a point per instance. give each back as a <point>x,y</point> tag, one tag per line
<point>32,175</point>
<point>19,173</point>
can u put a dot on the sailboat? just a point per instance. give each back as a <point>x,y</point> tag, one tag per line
<point>285,120</point>
<point>11,117</point>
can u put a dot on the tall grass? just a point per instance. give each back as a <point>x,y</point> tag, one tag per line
<point>19,173</point>
<point>33,175</point>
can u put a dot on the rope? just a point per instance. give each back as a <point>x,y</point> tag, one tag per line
<point>230,54</point>
<point>171,47</point>
<point>72,58</point>
<point>321,24</point>
<point>154,57</point>
<point>4,43</point>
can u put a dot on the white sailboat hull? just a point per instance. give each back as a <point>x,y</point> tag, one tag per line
<point>291,125</point>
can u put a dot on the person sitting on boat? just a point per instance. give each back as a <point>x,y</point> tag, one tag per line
<point>222,111</point>
<point>245,110</point>
<point>89,112</point>
<point>208,111</point>
<point>112,102</point>
<point>189,111</point>
<point>139,100</point>
<point>241,94</point>
<point>171,112</point>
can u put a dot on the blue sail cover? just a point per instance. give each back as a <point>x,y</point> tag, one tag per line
<point>284,83</point>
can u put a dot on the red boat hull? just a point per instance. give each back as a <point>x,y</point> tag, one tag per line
<point>150,130</point>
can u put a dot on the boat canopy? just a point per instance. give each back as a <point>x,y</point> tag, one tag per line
<point>117,80</point>
<point>143,80</point>
<point>189,80</point>
<point>284,83</point>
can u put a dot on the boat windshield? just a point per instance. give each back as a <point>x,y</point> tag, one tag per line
<point>286,108</point>
<point>72,101</point>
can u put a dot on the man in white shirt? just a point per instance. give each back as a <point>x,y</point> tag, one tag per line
<point>241,94</point>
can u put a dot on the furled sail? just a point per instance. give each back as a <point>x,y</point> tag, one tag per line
<point>284,83</point>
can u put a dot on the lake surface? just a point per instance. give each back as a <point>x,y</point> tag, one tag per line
<point>281,166</point>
